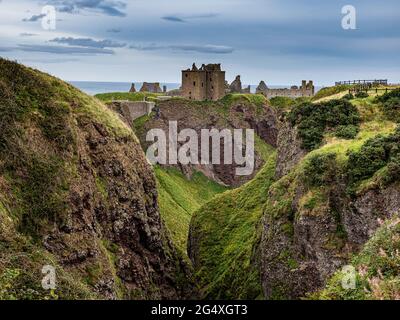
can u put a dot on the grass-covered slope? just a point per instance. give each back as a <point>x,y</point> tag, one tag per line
<point>37,162</point>
<point>320,212</point>
<point>129,96</point>
<point>224,234</point>
<point>76,193</point>
<point>179,197</point>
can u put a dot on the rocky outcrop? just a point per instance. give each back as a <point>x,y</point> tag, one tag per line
<point>240,114</point>
<point>299,249</point>
<point>289,149</point>
<point>366,213</point>
<point>76,185</point>
<point>112,206</point>
<point>310,233</point>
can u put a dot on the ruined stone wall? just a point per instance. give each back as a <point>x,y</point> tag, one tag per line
<point>291,93</point>
<point>305,90</point>
<point>131,110</point>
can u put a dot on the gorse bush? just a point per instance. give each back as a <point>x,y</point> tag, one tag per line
<point>388,95</point>
<point>348,96</point>
<point>390,104</point>
<point>346,132</point>
<point>375,154</point>
<point>320,170</point>
<point>312,120</point>
<point>361,94</point>
<point>391,109</point>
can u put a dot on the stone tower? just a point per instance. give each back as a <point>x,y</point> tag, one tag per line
<point>205,83</point>
<point>236,85</point>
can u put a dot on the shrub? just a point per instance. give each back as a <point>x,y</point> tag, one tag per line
<point>361,94</point>
<point>320,169</point>
<point>388,95</point>
<point>391,109</point>
<point>375,154</point>
<point>313,120</point>
<point>346,132</point>
<point>348,96</point>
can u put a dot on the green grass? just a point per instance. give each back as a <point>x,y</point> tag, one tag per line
<point>41,124</point>
<point>179,197</point>
<point>329,92</point>
<point>258,100</point>
<point>129,96</point>
<point>227,232</point>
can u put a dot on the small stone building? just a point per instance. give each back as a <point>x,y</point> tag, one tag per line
<point>206,83</point>
<point>132,89</point>
<point>152,87</point>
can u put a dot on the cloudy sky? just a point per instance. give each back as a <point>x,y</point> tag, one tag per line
<point>279,41</point>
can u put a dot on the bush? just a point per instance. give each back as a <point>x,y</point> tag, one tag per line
<point>346,132</point>
<point>320,170</point>
<point>391,109</point>
<point>375,154</point>
<point>313,120</point>
<point>361,95</point>
<point>348,96</point>
<point>388,95</point>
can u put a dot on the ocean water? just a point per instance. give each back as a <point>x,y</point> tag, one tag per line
<point>92,87</point>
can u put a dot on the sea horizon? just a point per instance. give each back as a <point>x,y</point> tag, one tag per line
<point>96,87</point>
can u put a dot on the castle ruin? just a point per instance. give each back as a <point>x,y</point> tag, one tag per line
<point>206,83</point>
<point>236,86</point>
<point>305,90</point>
<point>152,87</point>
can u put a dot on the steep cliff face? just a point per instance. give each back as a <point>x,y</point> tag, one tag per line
<point>326,205</point>
<point>376,269</point>
<point>232,112</point>
<point>77,193</point>
<point>288,148</point>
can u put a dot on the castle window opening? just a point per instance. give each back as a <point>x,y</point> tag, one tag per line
<point>194,83</point>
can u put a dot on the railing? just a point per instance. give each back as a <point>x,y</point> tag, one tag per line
<point>362,82</point>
